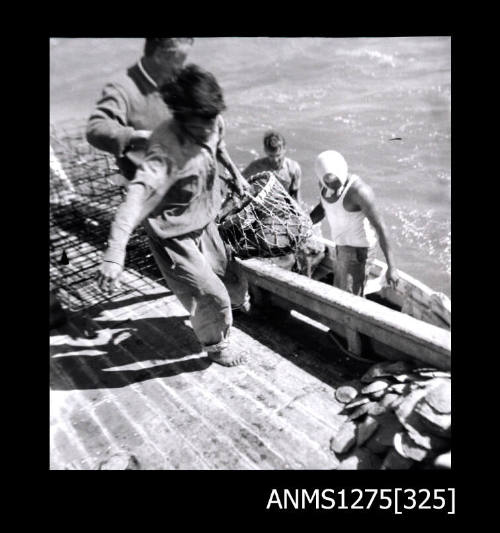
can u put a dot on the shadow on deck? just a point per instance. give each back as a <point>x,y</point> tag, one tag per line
<point>128,376</point>
<point>323,360</point>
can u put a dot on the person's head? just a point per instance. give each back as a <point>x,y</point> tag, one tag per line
<point>275,148</point>
<point>195,99</point>
<point>165,56</point>
<point>331,171</point>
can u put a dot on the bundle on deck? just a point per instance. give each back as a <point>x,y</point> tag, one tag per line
<point>267,223</point>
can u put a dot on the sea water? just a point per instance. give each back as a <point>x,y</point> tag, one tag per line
<point>384,103</point>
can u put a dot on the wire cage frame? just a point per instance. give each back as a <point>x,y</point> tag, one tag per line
<point>85,191</point>
<point>268,223</point>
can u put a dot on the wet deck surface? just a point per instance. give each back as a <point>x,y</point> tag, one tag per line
<point>128,378</point>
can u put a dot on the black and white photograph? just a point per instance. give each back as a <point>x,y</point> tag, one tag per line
<point>250,255</point>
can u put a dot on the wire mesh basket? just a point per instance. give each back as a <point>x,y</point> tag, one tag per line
<point>267,223</point>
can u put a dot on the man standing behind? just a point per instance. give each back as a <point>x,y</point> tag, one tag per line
<point>286,170</point>
<point>355,223</point>
<point>132,106</point>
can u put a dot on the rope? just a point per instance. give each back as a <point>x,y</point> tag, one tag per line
<point>348,352</point>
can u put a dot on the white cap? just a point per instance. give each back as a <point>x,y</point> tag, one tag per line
<point>331,162</point>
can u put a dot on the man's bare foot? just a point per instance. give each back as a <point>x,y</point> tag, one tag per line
<point>246,309</point>
<point>226,357</point>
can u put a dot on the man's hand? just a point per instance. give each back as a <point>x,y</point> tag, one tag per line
<point>140,135</point>
<point>237,182</point>
<point>108,276</point>
<point>240,184</point>
<point>392,277</point>
<point>138,140</point>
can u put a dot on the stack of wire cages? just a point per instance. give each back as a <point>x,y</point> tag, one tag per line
<point>85,191</point>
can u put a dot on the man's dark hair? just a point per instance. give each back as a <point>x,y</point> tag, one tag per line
<point>169,43</point>
<point>194,91</point>
<point>274,141</point>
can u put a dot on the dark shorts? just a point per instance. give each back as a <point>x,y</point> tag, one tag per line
<point>352,268</point>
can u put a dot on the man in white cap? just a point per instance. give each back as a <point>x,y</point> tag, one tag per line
<point>348,204</point>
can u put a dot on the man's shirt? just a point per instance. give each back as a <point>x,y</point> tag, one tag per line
<point>130,103</point>
<point>289,175</point>
<point>184,174</point>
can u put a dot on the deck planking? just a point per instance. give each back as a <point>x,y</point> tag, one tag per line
<point>129,377</point>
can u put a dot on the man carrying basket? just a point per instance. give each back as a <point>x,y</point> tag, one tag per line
<point>176,194</point>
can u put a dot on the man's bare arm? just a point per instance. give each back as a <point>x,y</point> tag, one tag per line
<point>239,181</point>
<point>297,179</point>
<point>317,214</point>
<point>364,197</point>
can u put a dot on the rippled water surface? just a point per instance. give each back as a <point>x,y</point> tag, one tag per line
<point>350,94</point>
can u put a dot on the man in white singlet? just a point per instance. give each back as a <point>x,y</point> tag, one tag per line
<point>355,224</point>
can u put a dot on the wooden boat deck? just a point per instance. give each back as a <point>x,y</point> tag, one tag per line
<point>128,377</point>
